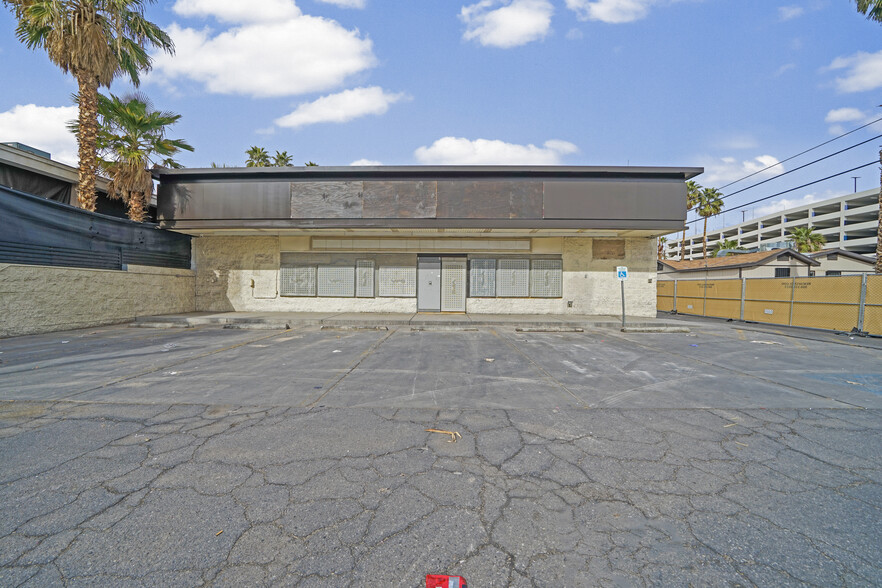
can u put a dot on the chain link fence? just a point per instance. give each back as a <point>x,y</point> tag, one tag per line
<point>837,303</point>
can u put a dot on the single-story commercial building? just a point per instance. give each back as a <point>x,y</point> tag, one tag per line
<point>477,239</point>
<point>775,263</point>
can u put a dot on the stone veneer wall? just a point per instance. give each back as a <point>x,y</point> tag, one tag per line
<point>41,299</point>
<point>226,266</point>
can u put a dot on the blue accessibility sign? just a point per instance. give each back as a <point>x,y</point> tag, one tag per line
<point>621,272</point>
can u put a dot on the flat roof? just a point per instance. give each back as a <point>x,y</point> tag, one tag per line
<point>435,171</point>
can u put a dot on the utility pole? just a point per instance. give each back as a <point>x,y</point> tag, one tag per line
<point>855,178</point>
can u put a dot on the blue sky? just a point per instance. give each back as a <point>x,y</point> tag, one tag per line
<point>732,86</point>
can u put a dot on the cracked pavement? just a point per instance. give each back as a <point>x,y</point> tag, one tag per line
<point>585,458</point>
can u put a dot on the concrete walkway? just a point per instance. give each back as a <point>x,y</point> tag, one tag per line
<point>287,320</point>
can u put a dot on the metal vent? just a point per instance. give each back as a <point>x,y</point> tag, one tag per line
<point>453,278</point>
<point>297,280</point>
<point>545,278</point>
<point>336,281</point>
<point>513,278</point>
<point>364,278</point>
<point>482,277</point>
<point>397,281</point>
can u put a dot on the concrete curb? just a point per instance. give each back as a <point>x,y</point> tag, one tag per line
<point>534,324</point>
<point>659,329</point>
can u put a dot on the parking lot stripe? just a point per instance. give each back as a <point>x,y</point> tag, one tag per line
<point>352,366</point>
<point>541,369</point>
<point>172,364</point>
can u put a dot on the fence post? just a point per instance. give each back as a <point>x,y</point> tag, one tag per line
<point>675,296</point>
<point>704,302</point>
<point>863,303</point>
<point>743,291</point>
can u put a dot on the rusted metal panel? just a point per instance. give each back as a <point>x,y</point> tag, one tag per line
<point>526,200</point>
<point>616,199</point>
<point>400,199</point>
<point>489,199</point>
<point>326,199</point>
<point>226,200</point>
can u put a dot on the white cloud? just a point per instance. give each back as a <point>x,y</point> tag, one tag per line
<point>346,3</point>
<point>610,11</point>
<point>728,169</point>
<point>785,203</point>
<point>790,12</point>
<point>839,115</point>
<point>784,69</point>
<point>43,127</point>
<point>461,151</point>
<point>236,11</point>
<point>863,72</point>
<point>574,34</point>
<point>738,141</point>
<point>341,107</point>
<point>516,22</point>
<point>855,116</point>
<point>370,162</point>
<point>274,51</point>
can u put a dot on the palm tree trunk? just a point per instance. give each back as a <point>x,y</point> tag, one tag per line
<point>683,245</point>
<point>137,206</point>
<point>704,241</point>
<point>88,120</point>
<point>879,230</point>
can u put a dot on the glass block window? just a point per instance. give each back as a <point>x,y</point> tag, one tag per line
<point>397,281</point>
<point>545,278</point>
<point>297,280</point>
<point>336,280</point>
<point>364,278</point>
<point>482,277</point>
<point>513,278</point>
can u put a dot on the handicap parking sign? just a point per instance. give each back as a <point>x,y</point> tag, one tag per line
<point>622,272</point>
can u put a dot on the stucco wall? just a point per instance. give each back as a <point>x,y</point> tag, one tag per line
<point>41,299</point>
<point>226,267</point>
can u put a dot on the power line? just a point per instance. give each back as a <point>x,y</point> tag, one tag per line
<point>848,171</point>
<point>790,171</point>
<point>802,153</point>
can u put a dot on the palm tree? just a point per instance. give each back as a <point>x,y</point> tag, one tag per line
<point>97,41</point>
<point>257,157</point>
<point>131,138</point>
<point>871,8</point>
<point>806,240</point>
<point>693,189</point>
<point>710,203</point>
<point>311,164</point>
<point>726,244</point>
<point>282,159</point>
<point>661,247</point>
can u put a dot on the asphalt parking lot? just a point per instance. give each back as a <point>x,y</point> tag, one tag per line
<point>732,455</point>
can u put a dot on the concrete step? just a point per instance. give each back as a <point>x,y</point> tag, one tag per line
<point>283,321</point>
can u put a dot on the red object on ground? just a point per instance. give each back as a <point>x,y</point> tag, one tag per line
<point>442,581</point>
